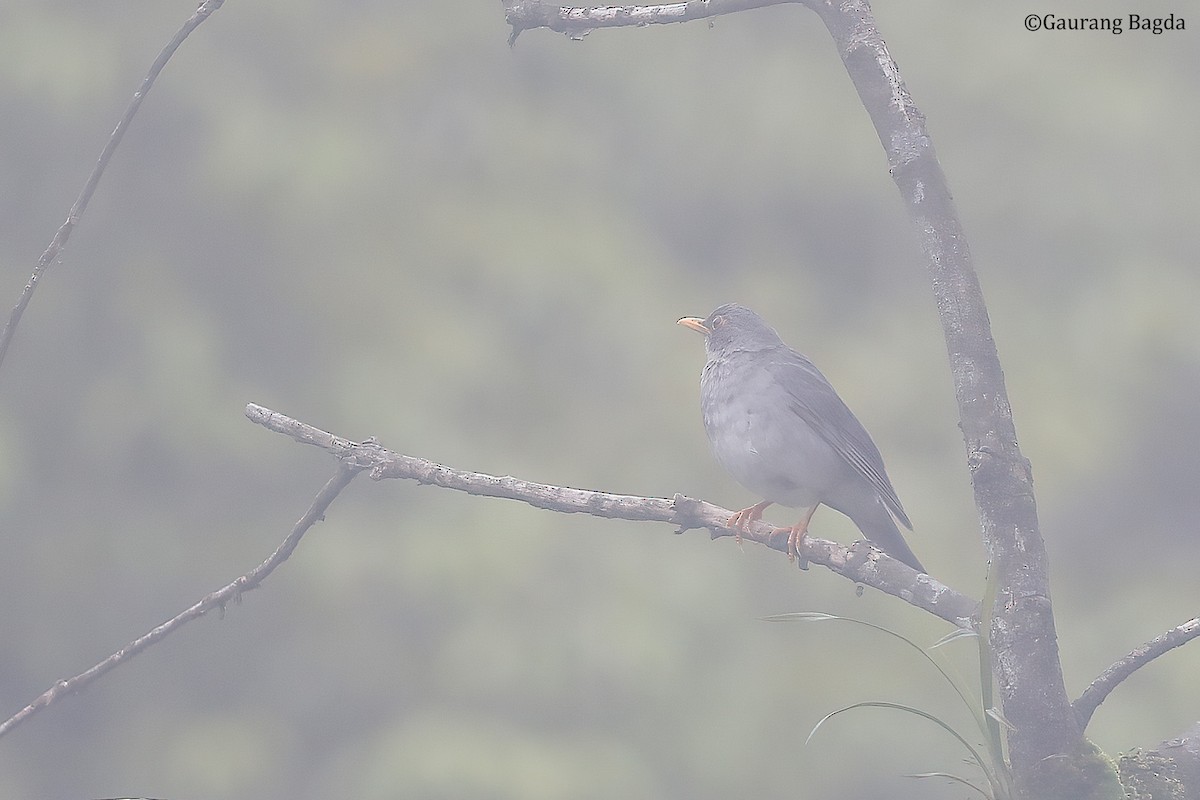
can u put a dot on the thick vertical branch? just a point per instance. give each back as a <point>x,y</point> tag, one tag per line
<point>1024,643</point>
<point>1025,648</point>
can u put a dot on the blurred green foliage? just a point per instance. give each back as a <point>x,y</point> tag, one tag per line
<point>378,218</point>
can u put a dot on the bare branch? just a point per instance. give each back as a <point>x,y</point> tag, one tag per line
<point>860,562</point>
<point>578,21</point>
<point>56,245</point>
<point>1024,644</point>
<point>218,599</point>
<point>1108,680</point>
<point>1025,654</point>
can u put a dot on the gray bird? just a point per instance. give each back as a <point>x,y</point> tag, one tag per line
<point>777,425</point>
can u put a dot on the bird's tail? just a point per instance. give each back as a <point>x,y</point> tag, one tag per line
<point>879,527</point>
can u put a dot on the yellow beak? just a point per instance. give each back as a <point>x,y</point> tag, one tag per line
<point>695,323</point>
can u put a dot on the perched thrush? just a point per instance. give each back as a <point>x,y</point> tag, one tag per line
<point>777,425</point>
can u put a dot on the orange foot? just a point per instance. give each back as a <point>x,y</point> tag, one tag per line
<point>796,534</point>
<point>747,516</point>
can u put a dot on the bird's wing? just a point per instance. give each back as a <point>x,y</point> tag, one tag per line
<point>814,399</point>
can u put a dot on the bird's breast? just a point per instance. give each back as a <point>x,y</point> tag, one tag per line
<point>759,440</point>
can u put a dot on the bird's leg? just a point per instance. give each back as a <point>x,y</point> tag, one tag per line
<point>797,532</point>
<point>747,516</point>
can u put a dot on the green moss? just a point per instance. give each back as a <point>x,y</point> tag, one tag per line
<point>1088,774</point>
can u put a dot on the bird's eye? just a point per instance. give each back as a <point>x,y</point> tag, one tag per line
<point>718,322</point>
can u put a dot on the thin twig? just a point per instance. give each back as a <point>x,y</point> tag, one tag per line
<point>218,599</point>
<point>56,245</point>
<point>861,562</point>
<point>1108,680</point>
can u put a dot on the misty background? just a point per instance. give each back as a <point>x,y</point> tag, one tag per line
<point>379,219</point>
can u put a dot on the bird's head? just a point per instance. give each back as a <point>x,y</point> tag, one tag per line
<point>733,327</point>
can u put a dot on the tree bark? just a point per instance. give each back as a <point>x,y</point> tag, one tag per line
<point>1024,645</point>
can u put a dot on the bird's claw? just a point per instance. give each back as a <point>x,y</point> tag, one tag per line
<point>796,534</point>
<point>745,517</point>
<point>793,541</point>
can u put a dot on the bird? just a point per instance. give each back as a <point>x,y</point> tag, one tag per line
<point>780,429</point>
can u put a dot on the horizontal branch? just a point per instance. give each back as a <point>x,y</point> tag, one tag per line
<point>578,21</point>
<point>861,562</point>
<point>1100,688</point>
